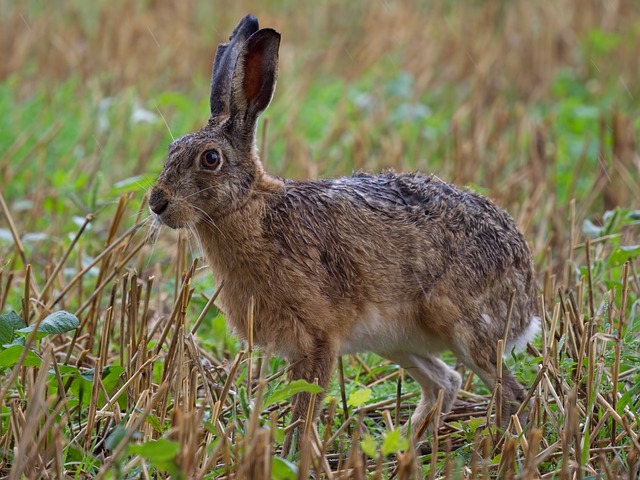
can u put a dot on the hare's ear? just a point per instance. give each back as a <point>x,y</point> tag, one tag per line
<point>225,60</point>
<point>254,78</point>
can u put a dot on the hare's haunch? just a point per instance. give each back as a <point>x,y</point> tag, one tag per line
<point>404,265</point>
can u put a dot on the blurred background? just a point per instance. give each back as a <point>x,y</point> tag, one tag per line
<point>533,103</point>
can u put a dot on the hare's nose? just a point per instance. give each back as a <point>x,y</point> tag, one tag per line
<point>158,202</point>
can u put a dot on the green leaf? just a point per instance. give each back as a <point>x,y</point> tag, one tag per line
<point>622,254</point>
<point>282,469</point>
<point>161,450</point>
<point>369,446</point>
<point>278,435</point>
<point>16,341</point>
<point>115,437</point>
<point>9,323</point>
<point>9,357</point>
<point>82,382</point>
<point>288,390</point>
<point>394,442</point>
<point>67,371</point>
<point>155,422</point>
<point>57,322</point>
<point>475,422</point>
<point>359,397</point>
<point>601,42</point>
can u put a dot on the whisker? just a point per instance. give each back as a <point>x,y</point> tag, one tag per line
<point>147,187</point>
<point>200,191</point>
<point>153,233</point>
<point>253,192</point>
<point>190,242</point>
<point>208,220</point>
<point>165,122</point>
<point>196,238</point>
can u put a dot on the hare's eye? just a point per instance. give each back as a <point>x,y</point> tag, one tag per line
<point>210,160</point>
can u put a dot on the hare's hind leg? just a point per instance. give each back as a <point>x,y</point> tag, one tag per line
<point>483,363</point>
<point>432,374</point>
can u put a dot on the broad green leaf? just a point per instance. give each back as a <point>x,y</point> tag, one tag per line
<point>288,390</point>
<point>115,437</point>
<point>9,323</point>
<point>58,322</point>
<point>67,371</point>
<point>88,375</point>
<point>83,382</point>
<point>16,341</point>
<point>359,397</point>
<point>369,446</point>
<point>9,357</point>
<point>282,469</point>
<point>394,442</point>
<point>161,450</point>
<point>110,376</point>
<point>623,253</point>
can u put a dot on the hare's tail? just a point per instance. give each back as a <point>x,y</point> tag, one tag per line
<point>527,335</point>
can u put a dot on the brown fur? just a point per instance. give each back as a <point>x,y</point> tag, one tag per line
<point>405,265</point>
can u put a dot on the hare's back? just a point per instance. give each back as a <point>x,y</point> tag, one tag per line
<point>405,203</point>
<point>398,222</point>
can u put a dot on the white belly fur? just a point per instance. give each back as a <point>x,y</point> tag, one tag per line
<point>383,329</point>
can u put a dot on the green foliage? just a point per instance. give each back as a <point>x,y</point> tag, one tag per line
<point>287,390</point>
<point>80,383</point>
<point>609,267</point>
<point>11,355</point>
<point>282,469</point>
<point>160,453</point>
<point>392,442</point>
<point>598,43</point>
<point>57,322</point>
<point>9,324</point>
<point>359,397</point>
<point>13,330</point>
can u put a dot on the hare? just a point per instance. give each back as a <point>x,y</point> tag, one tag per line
<point>403,265</point>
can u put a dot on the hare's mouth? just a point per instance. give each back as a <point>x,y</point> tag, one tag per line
<point>162,220</point>
<point>165,211</point>
<point>168,217</point>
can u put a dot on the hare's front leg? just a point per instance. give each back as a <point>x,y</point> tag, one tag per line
<point>432,374</point>
<point>316,364</point>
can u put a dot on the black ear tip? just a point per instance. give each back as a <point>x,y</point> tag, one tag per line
<point>273,33</point>
<point>250,19</point>
<point>247,27</point>
<point>266,35</point>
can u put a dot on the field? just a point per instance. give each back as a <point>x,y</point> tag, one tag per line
<point>114,359</point>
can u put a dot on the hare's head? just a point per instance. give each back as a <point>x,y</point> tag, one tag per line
<point>211,172</point>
